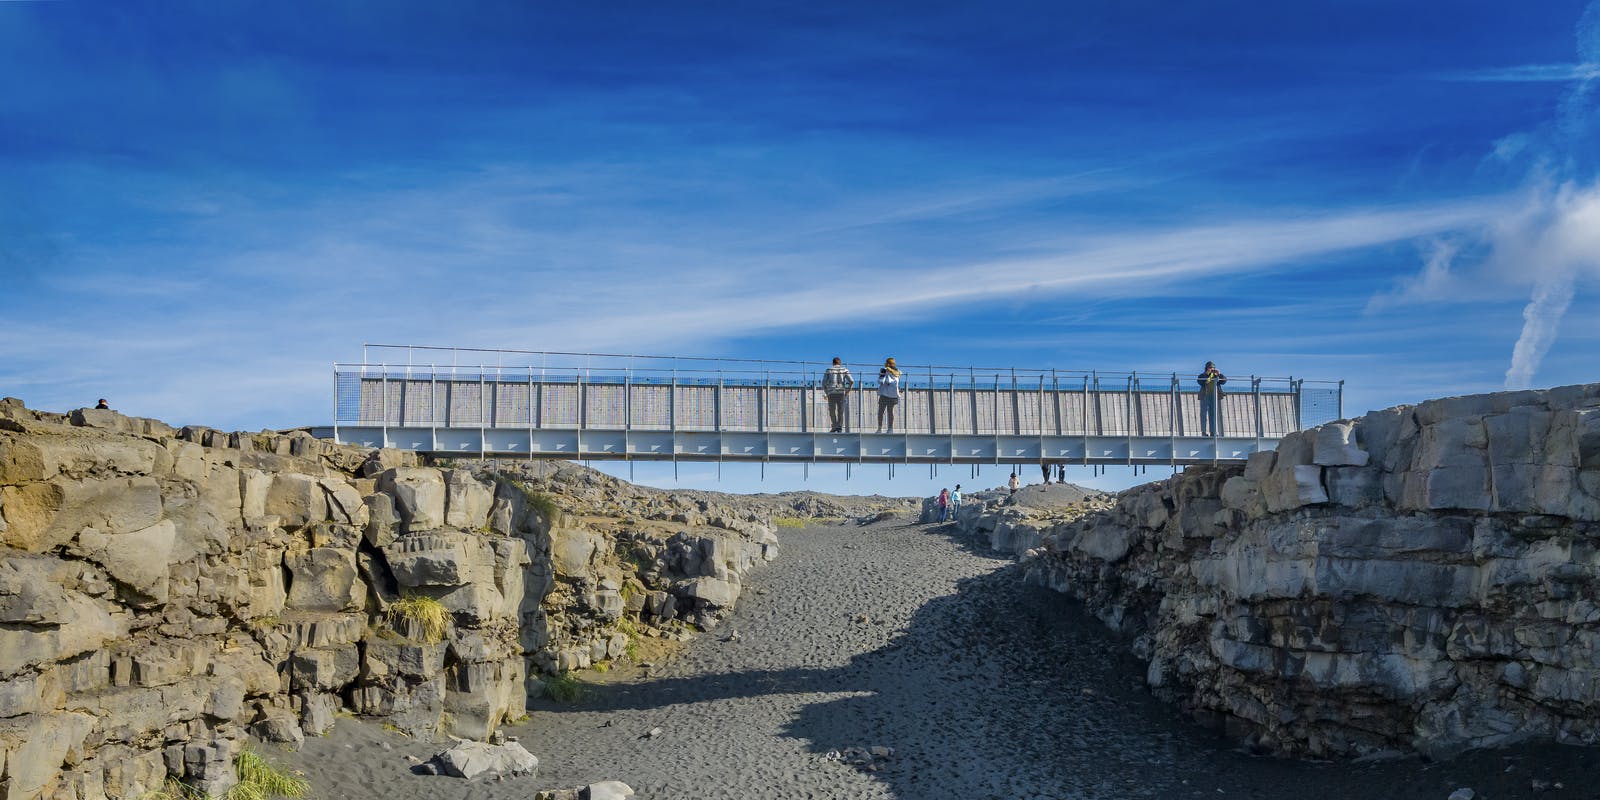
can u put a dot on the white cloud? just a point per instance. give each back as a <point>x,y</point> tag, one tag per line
<point>1551,237</point>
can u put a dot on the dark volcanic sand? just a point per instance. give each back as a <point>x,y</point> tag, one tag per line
<point>984,687</point>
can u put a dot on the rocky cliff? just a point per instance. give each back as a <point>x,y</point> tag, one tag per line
<point>164,593</point>
<point>1419,579</point>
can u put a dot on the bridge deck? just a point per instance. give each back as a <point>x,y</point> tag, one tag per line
<point>777,412</point>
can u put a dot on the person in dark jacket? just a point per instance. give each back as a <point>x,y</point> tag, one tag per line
<point>103,404</point>
<point>1210,380</point>
<point>836,384</point>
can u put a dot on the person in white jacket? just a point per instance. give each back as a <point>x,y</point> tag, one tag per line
<point>888,393</point>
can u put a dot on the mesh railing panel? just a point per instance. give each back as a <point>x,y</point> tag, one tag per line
<point>784,405</point>
<point>1319,405</point>
<point>741,408</point>
<point>465,400</point>
<point>1029,412</point>
<point>940,411</point>
<point>512,404</point>
<point>697,407</point>
<point>1277,415</point>
<point>348,392</point>
<point>912,415</point>
<point>1114,414</point>
<point>558,405</point>
<point>1155,413</point>
<point>1072,410</point>
<point>371,402</point>
<point>1238,415</point>
<point>605,405</point>
<point>418,404</point>
<point>652,407</point>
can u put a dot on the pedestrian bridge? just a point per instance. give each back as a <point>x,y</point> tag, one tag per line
<point>502,403</point>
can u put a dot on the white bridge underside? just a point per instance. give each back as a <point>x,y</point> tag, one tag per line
<point>802,447</point>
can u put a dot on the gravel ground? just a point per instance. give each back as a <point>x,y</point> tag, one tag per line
<point>900,636</point>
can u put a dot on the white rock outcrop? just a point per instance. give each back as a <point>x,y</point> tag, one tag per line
<point>1421,578</point>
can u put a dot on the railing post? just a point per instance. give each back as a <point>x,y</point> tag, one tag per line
<point>997,409</point>
<point>1177,418</point>
<point>336,397</point>
<point>1099,411</point>
<point>972,389</point>
<point>805,396</point>
<point>1299,422</point>
<point>933,413</point>
<point>1016,406</point>
<point>1255,389</point>
<point>1340,399</point>
<point>1135,419</point>
<point>483,413</point>
<point>1085,416</point>
<point>952,415</point>
<point>1055,398</point>
<point>1041,413</point>
<point>383,385</point>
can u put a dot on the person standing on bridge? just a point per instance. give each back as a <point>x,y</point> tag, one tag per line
<point>1210,380</point>
<point>836,384</point>
<point>888,392</point>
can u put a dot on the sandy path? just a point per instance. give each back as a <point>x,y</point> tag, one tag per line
<point>985,689</point>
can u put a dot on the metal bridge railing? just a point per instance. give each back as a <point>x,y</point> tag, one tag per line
<point>536,390</point>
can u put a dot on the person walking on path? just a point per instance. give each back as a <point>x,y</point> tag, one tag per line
<point>1013,483</point>
<point>1210,380</point>
<point>955,501</point>
<point>944,505</point>
<point>836,384</point>
<point>888,393</point>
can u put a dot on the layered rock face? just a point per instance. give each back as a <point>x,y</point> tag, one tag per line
<point>164,593</point>
<point>1419,579</point>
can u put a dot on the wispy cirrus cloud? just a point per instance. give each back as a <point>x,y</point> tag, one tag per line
<point>1525,73</point>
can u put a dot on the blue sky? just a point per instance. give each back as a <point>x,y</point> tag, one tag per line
<point>205,204</point>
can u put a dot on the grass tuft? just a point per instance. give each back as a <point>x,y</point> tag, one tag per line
<point>562,688</point>
<point>427,613</point>
<point>789,522</point>
<point>173,789</point>
<point>260,779</point>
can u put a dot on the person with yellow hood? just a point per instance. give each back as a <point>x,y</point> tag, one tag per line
<point>888,393</point>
